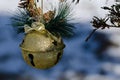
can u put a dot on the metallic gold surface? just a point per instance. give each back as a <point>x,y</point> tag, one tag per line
<point>40,48</point>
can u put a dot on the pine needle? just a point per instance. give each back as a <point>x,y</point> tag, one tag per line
<point>59,24</point>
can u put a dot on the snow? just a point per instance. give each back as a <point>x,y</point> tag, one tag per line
<point>79,61</point>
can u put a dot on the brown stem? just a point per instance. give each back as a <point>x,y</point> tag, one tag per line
<point>90,35</point>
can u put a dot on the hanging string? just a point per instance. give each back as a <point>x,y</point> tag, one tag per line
<point>42,5</point>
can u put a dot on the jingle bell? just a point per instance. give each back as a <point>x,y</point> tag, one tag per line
<point>40,48</point>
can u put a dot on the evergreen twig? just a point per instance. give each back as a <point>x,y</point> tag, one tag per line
<point>59,24</point>
<point>57,21</point>
<point>111,20</point>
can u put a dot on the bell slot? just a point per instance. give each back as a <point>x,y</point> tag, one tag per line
<point>31,57</point>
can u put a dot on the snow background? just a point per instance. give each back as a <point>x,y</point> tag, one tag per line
<point>79,61</point>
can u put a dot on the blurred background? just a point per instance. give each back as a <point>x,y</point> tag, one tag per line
<point>97,59</point>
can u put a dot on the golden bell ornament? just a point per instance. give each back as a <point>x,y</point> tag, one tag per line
<point>40,48</point>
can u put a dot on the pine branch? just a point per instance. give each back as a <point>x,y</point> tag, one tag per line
<point>57,21</point>
<point>59,24</point>
<point>111,20</point>
<point>20,18</point>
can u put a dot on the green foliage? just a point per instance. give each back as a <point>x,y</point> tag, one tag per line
<point>100,22</point>
<point>60,24</point>
<point>19,19</point>
<point>112,19</point>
